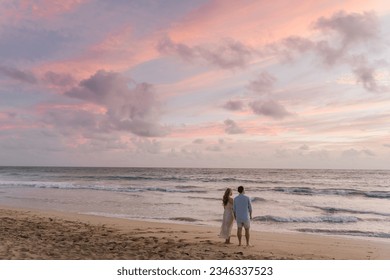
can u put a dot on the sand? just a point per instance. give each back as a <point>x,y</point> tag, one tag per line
<point>27,234</point>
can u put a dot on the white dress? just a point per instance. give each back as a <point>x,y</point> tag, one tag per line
<point>227,222</point>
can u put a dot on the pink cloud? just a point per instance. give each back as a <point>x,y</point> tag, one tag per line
<point>15,11</point>
<point>227,54</point>
<point>88,107</point>
<point>270,21</point>
<point>136,110</point>
<point>198,131</point>
<point>19,13</point>
<point>59,79</point>
<point>14,127</point>
<point>204,131</point>
<point>192,83</point>
<point>254,24</point>
<point>340,35</point>
<point>12,121</point>
<point>118,52</point>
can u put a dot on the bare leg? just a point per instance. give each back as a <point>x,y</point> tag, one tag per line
<point>247,236</point>
<point>227,240</point>
<point>239,235</point>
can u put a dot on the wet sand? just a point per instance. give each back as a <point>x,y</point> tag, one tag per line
<point>47,235</point>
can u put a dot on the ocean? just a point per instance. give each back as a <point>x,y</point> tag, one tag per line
<point>353,203</point>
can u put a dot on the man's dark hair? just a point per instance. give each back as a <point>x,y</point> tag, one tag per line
<point>240,189</point>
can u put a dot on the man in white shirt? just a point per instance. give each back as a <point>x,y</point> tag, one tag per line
<point>242,209</point>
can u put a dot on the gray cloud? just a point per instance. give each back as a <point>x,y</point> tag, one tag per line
<point>340,34</point>
<point>233,105</point>
<point>74,119</point>
<point>229,54</point>
<point>352,153</point>
<point>350,28</point>
<point>231,127</point>
<point>148,146</point>
<point>198,141</point>
<point>134,109</point>
<point>346,31</point>
<point>263,84</point>
<point>19,75</point>
<point>365,73</point>
<point>58,79</point>
<point>167,46</point>
<point>50,77</point>
<point>214,148</point>
<point>304,147</point>
<point>269,108</point>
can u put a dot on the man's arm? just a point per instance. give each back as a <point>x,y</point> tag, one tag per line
<point>250,208</point>
<point>234,209</point>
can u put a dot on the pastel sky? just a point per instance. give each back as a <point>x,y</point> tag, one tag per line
<point>206,83</point>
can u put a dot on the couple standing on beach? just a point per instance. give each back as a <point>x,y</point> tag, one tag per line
<point>239,209</point>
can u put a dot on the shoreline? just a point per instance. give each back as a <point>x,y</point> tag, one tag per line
<point>36,234</point>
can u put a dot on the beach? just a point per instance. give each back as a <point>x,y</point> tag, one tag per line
<point>351,203</point>
<point>29,234</point>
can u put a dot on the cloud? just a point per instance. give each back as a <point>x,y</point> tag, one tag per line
<point>19,75</point>
<point>339,35</point>
<point>148,146</point>
<point>304,147</point>
<point>214,148</point>
<point>198,141</point>
<point>365,74</point>
<point>233,105</point>
<point>133,109</point>
<point>341,32</point>
<point>58,79</point>
<point>167,46</point>
<point>232,128</point>
<point>353,153</point>
<point>350,28</point>
<point>65,118</point>
<point>229,54</point>
<point>269,108</point>
<point>50,77</point>
<point>346,31</point>
<point>263,84</point>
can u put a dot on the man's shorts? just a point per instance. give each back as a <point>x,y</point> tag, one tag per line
<point>245,224</point>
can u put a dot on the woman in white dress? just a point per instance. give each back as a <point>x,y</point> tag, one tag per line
<point>228,217</point>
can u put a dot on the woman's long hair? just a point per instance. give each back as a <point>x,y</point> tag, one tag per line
<point>226,196</point>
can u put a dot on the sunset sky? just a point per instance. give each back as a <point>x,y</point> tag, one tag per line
<point>180,83</point>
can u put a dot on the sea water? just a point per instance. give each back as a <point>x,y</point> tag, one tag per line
<point>337,202</point>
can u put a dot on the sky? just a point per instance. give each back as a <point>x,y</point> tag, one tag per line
<point>206,83</point>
